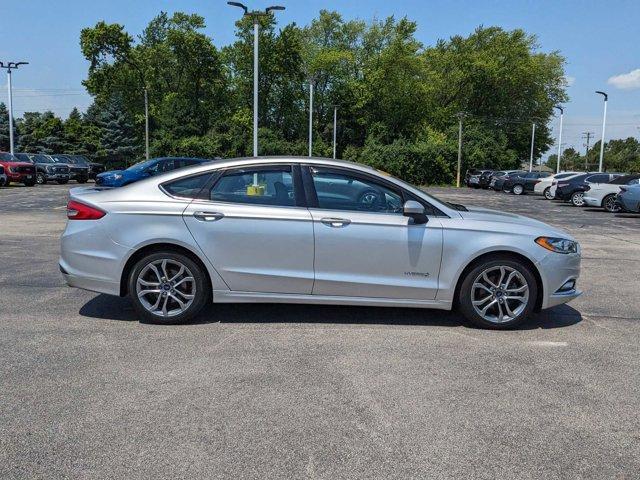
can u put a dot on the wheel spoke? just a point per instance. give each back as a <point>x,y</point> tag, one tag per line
<point>142,293</point>
<point>164,269</point>
<point>484,287</point>
<point>480,302</point>
<point>489,305</point>
<point>164,306</point>
<point>500,312</point>
<point>154,269</point>
<point>517,289</point>
<point>185,279</point>
<point>180,272</point>
<point>180,302</point>
<point>510,278</point>
<point>486,279</point>
<point>186,296</point>
<point>146,283</point>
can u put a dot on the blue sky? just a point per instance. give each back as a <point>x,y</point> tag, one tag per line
<point>599,39</point>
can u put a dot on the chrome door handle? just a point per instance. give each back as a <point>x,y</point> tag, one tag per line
<point>208,216</point>
<point>336,222</point>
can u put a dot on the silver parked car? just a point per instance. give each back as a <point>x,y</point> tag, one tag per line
<point>309,230</point>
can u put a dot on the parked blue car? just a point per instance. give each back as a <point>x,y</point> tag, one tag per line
<point>629,198</point>
<point>147,168</point>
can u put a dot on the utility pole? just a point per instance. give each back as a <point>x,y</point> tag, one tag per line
<point>533,138</point>
<point>8,67</point>
<point>146,123</point>
<point>335,128</point>
<point>587,136</point>
<point>255,15</point>
<point>460,117</point>
<point>559,139</point>
<point>604,123</point>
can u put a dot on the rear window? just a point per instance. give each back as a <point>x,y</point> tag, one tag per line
<point>187,187</point>
<point>600,178</point>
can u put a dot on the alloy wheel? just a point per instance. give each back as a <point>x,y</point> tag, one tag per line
<point>499,294</point>
<point>547,193</point>
<point>166,287</point>
<point>577,199</point>
<point>518,189</point>
<point>40,179</point>
<point>610,204</point>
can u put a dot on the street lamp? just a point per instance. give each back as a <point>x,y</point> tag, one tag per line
<point>335,129</point>
<point>604,123</point>
<point>255,15</point>
<point>8,67</point>
<point>561,110</point>
<point>311,80</point>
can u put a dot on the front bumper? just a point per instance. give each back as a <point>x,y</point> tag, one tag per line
<point>56,176</point>
<point>628,204</point>
<point>20,177</point>
<point>556,270</point>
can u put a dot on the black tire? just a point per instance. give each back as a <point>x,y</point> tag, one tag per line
<point>609,204</point>
<point>201,298</point>
<point>547,193</point>
<point>81,180</point>
<point>465,293</point>
<point>30,184</point>
<point>577,199</point>
<point>518,189</point>
<point>62,182</point>
<point>40,178</point>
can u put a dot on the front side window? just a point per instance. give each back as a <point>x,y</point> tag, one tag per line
<point>598,179</point>
<point>258,186</point>
<point>338,190</point>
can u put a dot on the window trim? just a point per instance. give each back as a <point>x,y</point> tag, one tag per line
<point>311,193</point>
<point>213,174</point>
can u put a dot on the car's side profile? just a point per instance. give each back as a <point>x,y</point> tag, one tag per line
<point>572,188</point>
<point>604,194</point>
<point>498,181</point>
<point>543,187</point>
<point>309,230</point>
<point>523,183</point>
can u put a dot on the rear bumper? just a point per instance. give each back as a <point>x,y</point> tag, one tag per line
<point>592,202</point>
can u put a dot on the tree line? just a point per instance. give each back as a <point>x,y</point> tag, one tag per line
<point>398,100</point>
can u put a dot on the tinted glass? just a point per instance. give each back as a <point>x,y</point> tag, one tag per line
<point>600,178</point>
<point>272,186</point>
<point>7,157</point>
<point>23,157</point>
<point>344,191</point>
<point>634,181</point>
<point>188,187</point>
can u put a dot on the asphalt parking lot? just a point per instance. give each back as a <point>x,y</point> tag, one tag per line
<point>293,391</point>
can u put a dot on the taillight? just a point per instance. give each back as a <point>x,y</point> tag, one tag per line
<point>81,211</point>
<point>562,184</point>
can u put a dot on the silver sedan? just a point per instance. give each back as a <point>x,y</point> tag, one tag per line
<point>309,230</point>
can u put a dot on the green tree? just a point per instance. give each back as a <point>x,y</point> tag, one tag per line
<point>4,128</point>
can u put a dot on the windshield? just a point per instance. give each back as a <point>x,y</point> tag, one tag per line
<point>23,157</point>
<point>140,166</point>
<point>79,159</point>
<point>7,157</point>
<point>61,159</point>
<point>42,159</point>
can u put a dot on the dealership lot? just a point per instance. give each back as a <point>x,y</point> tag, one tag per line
<point>282,391</point>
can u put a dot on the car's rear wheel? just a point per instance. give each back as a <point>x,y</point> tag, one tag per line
<point>610,205</point>
<point>499,293</point>
<point>577,199</point>
<point>168,288</point>
<point>518,189</point>
<point>547,193</point>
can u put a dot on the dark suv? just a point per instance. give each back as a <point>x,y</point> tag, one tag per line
<point>78,170</point>
<point>573,188</point>
<point>94,167</point>
<point>46,169</point>
<point>524,182</point>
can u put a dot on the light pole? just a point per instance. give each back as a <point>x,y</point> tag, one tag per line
<point>8,67</point>
<point>460,117</point>
<point>604,123</point>
<point>255,16</point>
<point>559,138</point>
<point>310,116</point>
<point>533,139</point>
<point>335,128</point>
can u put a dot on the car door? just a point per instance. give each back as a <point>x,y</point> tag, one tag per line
<point>255,230</point>
<point>364,246</point>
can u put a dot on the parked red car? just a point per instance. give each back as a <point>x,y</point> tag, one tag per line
<point>17,171</point>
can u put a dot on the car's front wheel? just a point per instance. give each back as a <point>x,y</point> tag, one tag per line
<point>41,179</point>
<point>577,199</point>
<point>499,293</point>
<point>168,288</point>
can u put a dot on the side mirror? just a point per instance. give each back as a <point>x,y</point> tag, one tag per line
<point>415,211</point>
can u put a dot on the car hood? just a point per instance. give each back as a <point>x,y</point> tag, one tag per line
<point>496,216</point>
<point>16,164</point>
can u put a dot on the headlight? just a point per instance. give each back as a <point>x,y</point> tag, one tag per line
<point>13,169</point>
<point>558,245</point>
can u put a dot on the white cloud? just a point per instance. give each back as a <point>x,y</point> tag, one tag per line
<point>626,81</point>
<point>570,80</point>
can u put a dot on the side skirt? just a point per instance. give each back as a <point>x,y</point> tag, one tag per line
<point>226,296</point>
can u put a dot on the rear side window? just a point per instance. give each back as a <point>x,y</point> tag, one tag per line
<point>597,179</point>
<point>187,187</point>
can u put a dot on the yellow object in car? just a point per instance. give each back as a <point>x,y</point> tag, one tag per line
<point>255,190</point>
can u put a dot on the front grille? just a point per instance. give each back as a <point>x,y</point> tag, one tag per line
<point>61,169</point>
